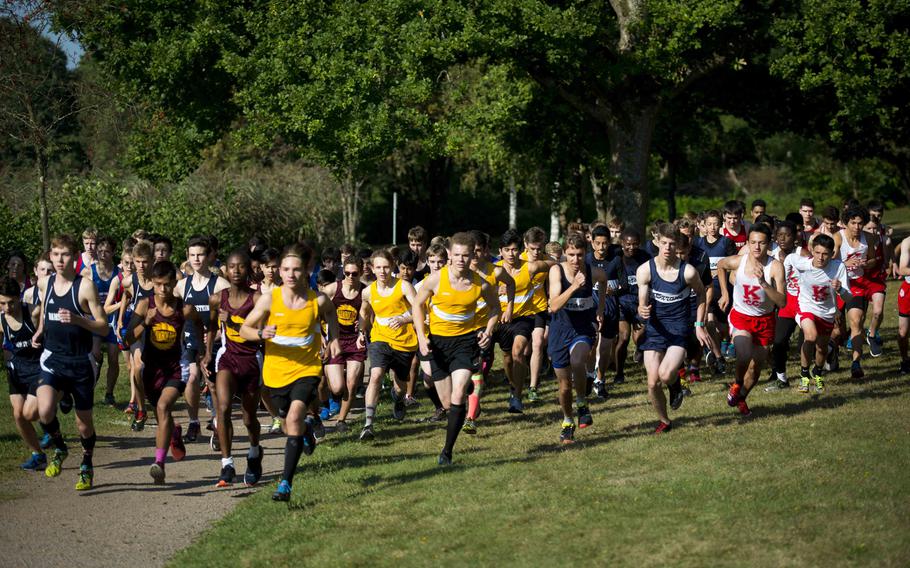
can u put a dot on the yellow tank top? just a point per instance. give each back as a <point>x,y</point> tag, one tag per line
<point>387,307</point>
<point>483,314</point>
<point>523,293</point>
<point>294,351</point>
<point>453,311</point>
<point>539,300</point>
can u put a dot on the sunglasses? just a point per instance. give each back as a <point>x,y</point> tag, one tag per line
<point>351,274</point>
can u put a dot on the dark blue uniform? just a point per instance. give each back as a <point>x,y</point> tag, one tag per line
<point>622,270</point>
<point>609,329</point>
<point>574,323</point>
<point>67,363</point>
<point>669,323</point>
<point>199,299</point>
<point>713,253</point>
<point>24,369</point>
<point>104,287</point>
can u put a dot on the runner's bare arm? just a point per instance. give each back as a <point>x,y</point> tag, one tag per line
<point>418,308</point>
<point>776,289</point>
<point>693,279</point>
<point>599,276</point>
<point>330,317</point>
<point>537,266</point>
<point>90,304</point>
<point>724,266</point>
<point>39,332</point>
<point>410,294</point>
<point>643,277</point>
<point>366,317</point>
<point>903,267</point>
<point>254,328</point>
<point>137,324</point>
<point>503,277</point>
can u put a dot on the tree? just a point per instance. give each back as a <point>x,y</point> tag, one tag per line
<point>37,99</point>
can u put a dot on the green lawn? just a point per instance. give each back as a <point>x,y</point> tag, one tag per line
<point>809,480</point>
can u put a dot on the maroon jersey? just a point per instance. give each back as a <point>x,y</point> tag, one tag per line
<point>348,312</point>
<point>233,343</point>
<point>162,350</point>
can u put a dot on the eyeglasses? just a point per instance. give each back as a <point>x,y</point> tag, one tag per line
<point>351,274</point>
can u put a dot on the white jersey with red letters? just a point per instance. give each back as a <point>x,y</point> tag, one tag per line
<point>847,252</point>
<point>749,298</point>
<point>790,273</point>
<point>816,293</point>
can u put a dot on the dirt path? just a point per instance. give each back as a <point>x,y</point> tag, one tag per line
<point>125,518</point>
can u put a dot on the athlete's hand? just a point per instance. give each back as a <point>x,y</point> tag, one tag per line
<point>483,339</point>
<point>644,311</point>
<point>704,338</point>
<point>395,322</point>
<point>150,316</point>
<point>836,285</point>
<point>506,316</point>
<point>222,316</point>
<point>66,316</point>
<point>423,345</point>
<point>204,366</point>
<point>854,262</point>
<point>269,331</point>
<point>723,302</point>
<point>361,341</point>
<point>36,340</point>
<point>334,348</point>
<point>759,273</point>
<point>579,280</point>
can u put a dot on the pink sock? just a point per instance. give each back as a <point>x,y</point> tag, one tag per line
<point>473,405</point>
<point>160,455</point>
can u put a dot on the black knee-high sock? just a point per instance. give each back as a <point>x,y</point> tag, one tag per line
<point>88,448</point>
<point>292,451</point>
<point>434,396</point>
<point>457,413</point>
<point>52,429</point>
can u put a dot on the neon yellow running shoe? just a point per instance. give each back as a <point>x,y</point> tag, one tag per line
<point>86,476</point>
<point>56,466</point>
<point>470,427</point>
<point>803,385</point>
<point>819,383</point>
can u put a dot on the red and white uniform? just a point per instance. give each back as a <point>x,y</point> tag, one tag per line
<point>860,285</point>
<point>817,298</point>
<point>753,310</point>
<point>903,298</point>
<point>739,239</point>
<point>792,279</point>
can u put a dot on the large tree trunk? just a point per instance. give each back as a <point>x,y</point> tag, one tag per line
<point>630,150</point>
<point>598,191</point>
<point>41,166</point>
<point>513,203</point>
<point>350,199</point>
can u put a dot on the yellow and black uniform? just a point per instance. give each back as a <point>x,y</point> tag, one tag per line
<point>453,327</point>
<point>292,364</point>
<point>522,323</point>
<point>483,316</point>
<point>539,304</point>
<point>391,348</point>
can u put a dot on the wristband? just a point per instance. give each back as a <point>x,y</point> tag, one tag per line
<point>259,332</point>
<point>699,324</point>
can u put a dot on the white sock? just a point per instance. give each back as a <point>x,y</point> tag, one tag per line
<point>227,462</point>
<point>782,377</point>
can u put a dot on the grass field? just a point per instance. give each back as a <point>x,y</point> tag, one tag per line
<point>807,481</point>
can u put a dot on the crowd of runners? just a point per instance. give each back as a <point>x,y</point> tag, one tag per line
<point>290,331</point>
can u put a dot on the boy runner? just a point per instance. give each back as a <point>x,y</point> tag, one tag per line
<point>787,253</point>
<point>716,247</point>
<point>601,255</point>
<point>903,307</point>
<point>759,286</point>
<point>70,314</point>
<point>437,257</point>
<point>103,273</point>
<point>454,342</point>
<point>289,321</point>
<point>534,241</point>
<point>623,270</point>
<point>140,287</point>
<point>87,258</point>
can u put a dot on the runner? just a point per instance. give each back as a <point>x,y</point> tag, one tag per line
<point>162,248</point>
<point>787,252</point>
<point>810,222</point>
<point>103,273</point>
<point>601,255</point>
<point>859,252</point>
<point>616,227</point>
<point>31,297</point>
<point>903,307</point>
<point>534,241</point>
<point>140,287</point>
<point>494,276</point>
<point>70,314</point>
<point>623,271</point>
<point>268,264</point>
<point>664,285</point>
<point>23,368</point>
<point>17,269</point>
<point>820,280</point>
<point>87,258</point>
<point>759,206</point>
<point>573,329</point>
<point>759,285</point>
<point>385,317</point>
<point>878,276</point>
<point>238,369</point>
<point>196,290</point>
<point>514,337</point>
<point>418,239</point>
<point>733,227</point>
<point>288,320</point>
<point>691,373</point>
<point>452,347</point>
<point>716,247</point>
<point>437,257</point>
<point>160,320</point>
<point>345,372</point>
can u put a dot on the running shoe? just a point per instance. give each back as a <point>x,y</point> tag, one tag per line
<point>743,408</point>
<point>275,428</point>
<point>515,405</point>
<point>398,409</point>
<point>677,395</point>
<point>210,425</point>
<point>439,415</point>
<point>409,401</point>
<point>684,385</point>
<point>318,429</point>
<point>731,351</point>
<point>694,375</point>
<point>226,479</point>
<point>139,418</point>
<point>324,413</point>
<point>875,345</point>
<point>856,370</point>
<point>567,435</point>
<point>619,379</point>
<point>803,387</point>
<point>778,385</point>
<point>600,389</point>
<point>334,407</point>
<point>367,435</point>
<point>178,450</point>
<point>849,344</point>
<point>341,427</point>
<point>66,403</point>
<point>819,379</point>
<point>720,368</point>
<point>663,427</point>
<point>54,468</point>
<point>109,399</point>
<point>710,358</point>
<point>733,395</point>
<point>192,432</point>
<point>86,478</point>
<point>584,417</point>
<point>470,427</point>
<point>283,493</point>
<point>46,441</point>
<point>444,459</point>
<point>214,443</point>
<point>253,470</point>
<point>157,473</point>
<point>724,346</point>
<point>361,391</point>
<point>309,439</point>
<point>533,395</point>
<point>131,408</point>
<point>35,462</point>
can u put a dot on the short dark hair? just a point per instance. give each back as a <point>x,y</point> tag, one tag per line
<point>199,241</point>
<point>324,277</point>
<point>106,240</point>
<point>855,211</point>
<point>765,220</point>
<point>600,231</point>
<point>535,235</point>
<point>759,203</point>
<point>464,239</point>
<point>788,225</point>
<point>164,269</point>
<point>510,237</point>
<point>241,254</point>
<point>830,212</point>
<point>630,232</point>
<point>164,240</point>
<point>576,240</point>
<point>876,205</point>
<point>330,253</point>
<point>824,240</point>
<point>408,258</point>
<point>417,233</point>
<point>480,238</point>
<point>761,228</point>
<point>9,287</point>
<point>733,207</point>
<point>268,255</point>
<point>807,202</point>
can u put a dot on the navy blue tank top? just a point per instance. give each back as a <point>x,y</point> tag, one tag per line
<point>68,340</point>
<point>579,312</point>
<point>199,299</point>
<point>20,340</point>
<point>721,248</point>
<point>669,302</point>
<point>138,293</point>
